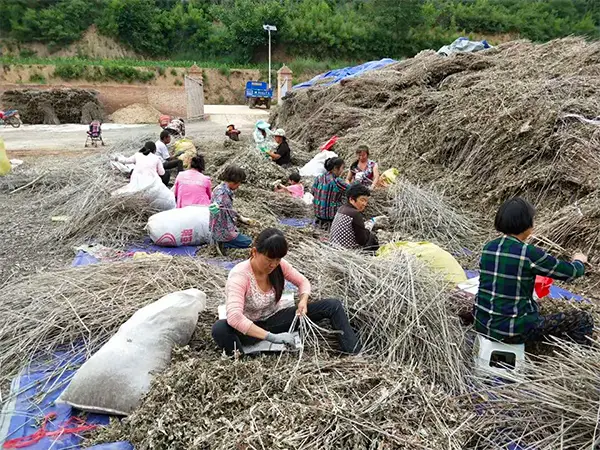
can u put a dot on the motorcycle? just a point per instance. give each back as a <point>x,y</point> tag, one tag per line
<point>10,117</point>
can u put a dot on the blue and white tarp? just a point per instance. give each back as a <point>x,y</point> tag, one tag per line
<point>335,76</point>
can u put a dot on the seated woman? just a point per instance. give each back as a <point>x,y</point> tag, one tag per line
<point>364,170</point>
<point>505,309</point>
<point>223,217</point>
<point>328,191</point>
<point>192,187</point>
<point>348,229</point>
<point>255,309</point>
<point>148,165</point>
<point>282,154</point>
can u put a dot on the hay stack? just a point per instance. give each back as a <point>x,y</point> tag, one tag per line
<point>51,311</point>
<point>554,406</point>
<point>487,125</point>
<point>399,307</point>
<point>205,402</point>
<point>44,106</point>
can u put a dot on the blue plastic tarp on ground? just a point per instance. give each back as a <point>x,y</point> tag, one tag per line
<point>297,223</point>
<point>335,76</point>
<point>33,395</point>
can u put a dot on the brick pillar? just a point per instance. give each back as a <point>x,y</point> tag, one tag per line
<point>284,82</point>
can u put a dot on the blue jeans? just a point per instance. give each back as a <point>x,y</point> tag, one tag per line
<point>241,241</point>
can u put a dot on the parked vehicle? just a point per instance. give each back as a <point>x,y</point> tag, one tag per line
<point>258,93</point>
<point>10,117</point>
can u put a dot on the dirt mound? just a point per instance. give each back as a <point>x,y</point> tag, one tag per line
<point>483,127</point>
<point>51,106</point>
<point>136,113</point>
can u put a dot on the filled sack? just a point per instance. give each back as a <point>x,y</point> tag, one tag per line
<point>431,255</point>
<point>114,380</point>
<point>182,226</point>
<point>185,150</point>
<point>316,166</point>
<point>159,196</point>
<point>5,165</point>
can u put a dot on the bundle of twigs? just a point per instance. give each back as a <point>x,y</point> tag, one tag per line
<point>353,403</point>
<point>278,205</point>
<point>260,171</point>
<point>554,406</point>
<point>92,213</point>
<point>76,310</point>
<point>423,214</point>
<point>398,306</point>
<point>574,227</point>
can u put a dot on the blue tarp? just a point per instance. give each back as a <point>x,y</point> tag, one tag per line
<point>33,396</point>
<point>335,76</point>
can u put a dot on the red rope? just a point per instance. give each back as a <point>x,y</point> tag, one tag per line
<point>74,425</point>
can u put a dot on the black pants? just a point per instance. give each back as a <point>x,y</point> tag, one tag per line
<point>372,243</point>
<point>230,339</point>
<point>571,324</point>
<point>172,163</point>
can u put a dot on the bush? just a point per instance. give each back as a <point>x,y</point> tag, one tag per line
<point>160,70</point>
<point>37,77</point>
<point>178,82</point>
<point>174,72</point>
<point>70,71</point>
<point>27,53</point>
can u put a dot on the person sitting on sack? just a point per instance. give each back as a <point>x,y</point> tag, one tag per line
<point>282,154</point>
<point>328,191</point>
<point>364,170</point>
<point>295,188</point>
<point>223,217</point>
<point>256,310</point>
<point>348,229</point>
<point>147,165</point>
<point>169,162</point>
<point>192,187</point>
<point>505,309</point>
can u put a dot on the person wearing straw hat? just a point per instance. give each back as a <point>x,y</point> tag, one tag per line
<point>257,309</point>
<point>505,308</point>
<point>282,154</point>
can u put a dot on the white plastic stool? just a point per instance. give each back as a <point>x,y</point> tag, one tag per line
<point>496,358</point>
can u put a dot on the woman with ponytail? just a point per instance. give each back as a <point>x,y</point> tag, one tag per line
<point>328,192</point>
<point>147,165</point>
<point>256,310</point>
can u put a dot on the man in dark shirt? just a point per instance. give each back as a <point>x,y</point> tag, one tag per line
<point>282,154</point>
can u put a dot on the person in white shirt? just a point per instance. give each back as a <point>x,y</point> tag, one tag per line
<point>148,165</point>
<point>168,161</point>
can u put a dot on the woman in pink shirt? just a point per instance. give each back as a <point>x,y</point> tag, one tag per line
<point>255,309</point>
<point>192,187</point>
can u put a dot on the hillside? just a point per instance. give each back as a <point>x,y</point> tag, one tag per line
<point>232,30</point>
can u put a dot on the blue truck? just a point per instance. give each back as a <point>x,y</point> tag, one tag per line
<point>258,94</point>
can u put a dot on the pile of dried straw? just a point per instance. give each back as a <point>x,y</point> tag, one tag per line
<point>486,126</point>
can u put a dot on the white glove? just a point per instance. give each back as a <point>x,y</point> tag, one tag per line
<point>282,338</point>
<point>370,224</point>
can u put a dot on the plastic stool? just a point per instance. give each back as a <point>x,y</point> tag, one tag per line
<point>496,358</point>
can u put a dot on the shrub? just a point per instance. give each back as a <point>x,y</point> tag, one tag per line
<point>37,77</point>
<point>174,72</point>
<point>178,82</point>
<point>70,71</point>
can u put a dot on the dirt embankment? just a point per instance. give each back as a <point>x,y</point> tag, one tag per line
<point>166,92</point>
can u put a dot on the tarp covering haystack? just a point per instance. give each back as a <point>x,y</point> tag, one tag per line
<point>517,119</point>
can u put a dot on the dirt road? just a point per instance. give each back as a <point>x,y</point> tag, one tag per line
<point>41,138</point>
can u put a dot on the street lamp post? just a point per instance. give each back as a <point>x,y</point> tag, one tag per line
<point>269,28</point>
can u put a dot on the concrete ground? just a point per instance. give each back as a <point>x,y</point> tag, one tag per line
<point>72,136</point>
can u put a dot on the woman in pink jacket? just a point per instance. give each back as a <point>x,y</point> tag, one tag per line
<point>192,187</point>
<point>255,309</point>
